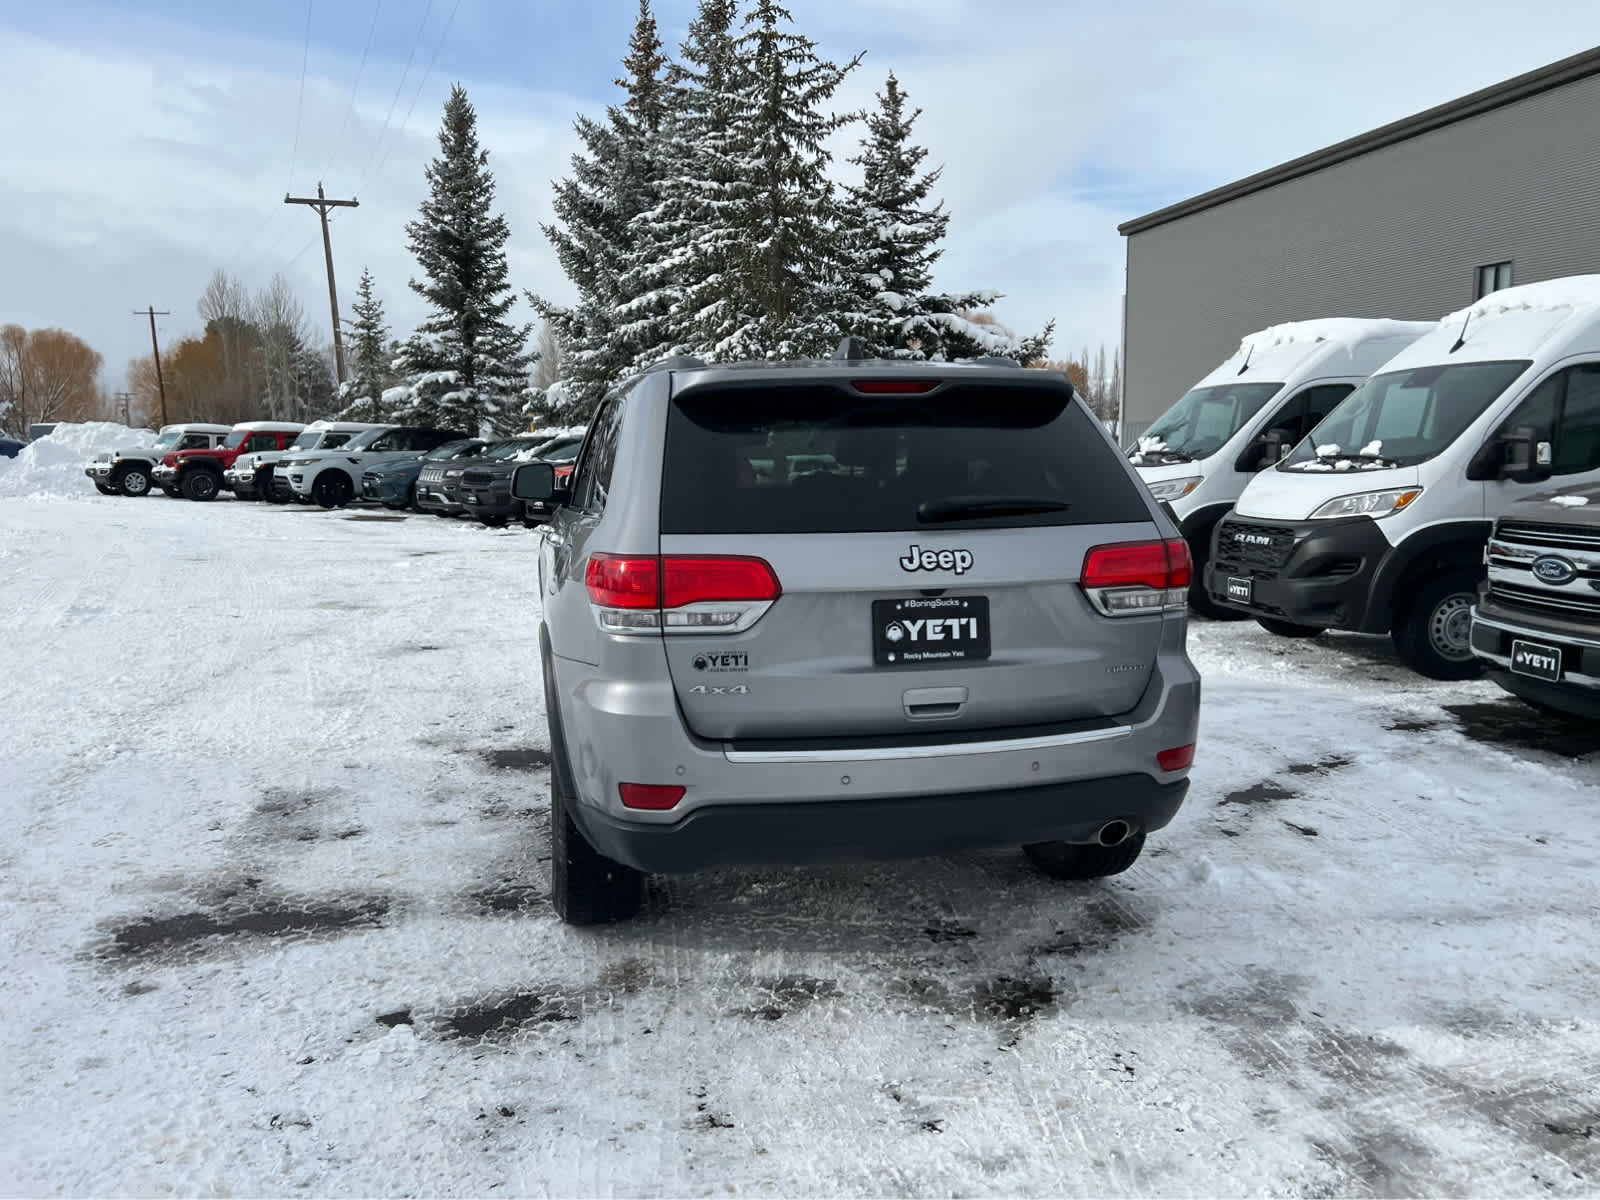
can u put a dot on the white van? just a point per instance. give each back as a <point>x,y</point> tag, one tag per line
<point>1377,521</point>
<point>1251,411</point>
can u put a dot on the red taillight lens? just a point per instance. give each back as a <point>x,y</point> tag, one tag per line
<point>1177,758</point>
<point>894,387</point>
<point>615,581</point>
<point>1139,564</point>
<point>688,580</point>
<point>654,797</point>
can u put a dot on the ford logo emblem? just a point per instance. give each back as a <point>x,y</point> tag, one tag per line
<point>1551,569</point>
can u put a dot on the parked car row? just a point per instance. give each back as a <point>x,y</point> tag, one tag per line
<point>1389,477</point>
<point>331,463</point>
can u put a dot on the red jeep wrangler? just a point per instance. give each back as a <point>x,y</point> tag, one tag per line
<point>197,474</point>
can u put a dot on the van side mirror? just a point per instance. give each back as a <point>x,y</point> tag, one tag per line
<point>537,481</point>
<point>1266,451</point>
<point>1528,455</point>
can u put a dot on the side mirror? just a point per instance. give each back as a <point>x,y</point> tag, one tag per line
<point>537,481</point>
<point>1266,451</point>
<point>1528,455</point>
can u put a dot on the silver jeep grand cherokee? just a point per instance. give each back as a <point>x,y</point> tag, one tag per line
<point>846,609</point>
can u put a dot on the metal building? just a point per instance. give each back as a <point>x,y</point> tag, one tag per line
<point>1413,220</point>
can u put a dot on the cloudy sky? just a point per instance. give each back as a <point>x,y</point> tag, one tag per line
<point>144,143</point>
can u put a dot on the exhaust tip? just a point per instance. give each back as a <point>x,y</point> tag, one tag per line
<point>1114,833</point>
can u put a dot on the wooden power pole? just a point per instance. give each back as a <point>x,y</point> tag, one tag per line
<point>156,351</point>
<point>127,406</point>
<point>322,204</point>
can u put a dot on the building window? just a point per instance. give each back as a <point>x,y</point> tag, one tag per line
<point>1492,277</point>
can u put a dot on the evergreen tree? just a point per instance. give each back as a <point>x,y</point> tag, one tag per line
<point>782,290</point>
<point>615,179</point>
<point>895,237</point>
<point>469,360</point>
<point>362,396</point>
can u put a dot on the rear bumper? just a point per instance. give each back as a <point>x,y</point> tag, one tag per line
<point>867,830</point>
<point>1314,573</point>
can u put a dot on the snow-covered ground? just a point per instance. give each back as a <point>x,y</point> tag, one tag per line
<point>273,914</point>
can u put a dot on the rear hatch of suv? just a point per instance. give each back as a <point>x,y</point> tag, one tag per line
<point>924,542</point>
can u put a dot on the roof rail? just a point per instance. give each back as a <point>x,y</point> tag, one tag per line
<point>853,349</point>
<point>678,362</point>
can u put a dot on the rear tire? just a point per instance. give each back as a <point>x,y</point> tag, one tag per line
<point>1433,637</point>
<point>1288,629</point>
<point>200,485</point>
<point>332,489</point>
<point>1063,860</point>
<point>132,481</point>
<point>586,887</point>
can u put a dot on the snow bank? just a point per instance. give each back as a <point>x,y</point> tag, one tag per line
<point>1329,329</point>
<point>1574,291</point>
<point>52,466</point>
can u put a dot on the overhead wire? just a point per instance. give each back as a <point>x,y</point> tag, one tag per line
<point>393,103</point>
<point>300,105</point>
<point>449,21</point>
<point>355,88</point>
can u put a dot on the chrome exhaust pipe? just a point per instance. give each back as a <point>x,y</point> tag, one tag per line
<point>1114,833</point>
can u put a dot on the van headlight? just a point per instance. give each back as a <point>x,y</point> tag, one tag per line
<point>1175,489</point>
<point>1367,504</point>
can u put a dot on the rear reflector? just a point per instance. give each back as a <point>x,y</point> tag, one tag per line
<point>1177,758</point>
<point>1137,577</point>
<point>894,387</point>
<point>653,797</point>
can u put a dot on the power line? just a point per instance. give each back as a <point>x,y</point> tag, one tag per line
<point>299,108</point>
<point>415,42</point>
<point>350,106</point>
<point>436,47</point>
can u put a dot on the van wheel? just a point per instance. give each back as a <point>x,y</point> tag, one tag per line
<point>199,485</point>
<point>586,887</point>
<point>1433,637</point>
<point>1288,629</point>
<point>1063,860</point>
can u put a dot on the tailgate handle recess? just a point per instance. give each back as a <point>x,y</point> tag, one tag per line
<point>934,703</point>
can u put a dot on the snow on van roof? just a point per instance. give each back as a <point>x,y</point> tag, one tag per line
<point>1548,295</point>
<point>1330,329</point>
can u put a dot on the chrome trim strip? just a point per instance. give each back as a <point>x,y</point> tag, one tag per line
<point>1532,635</point>
<point>945,750</point>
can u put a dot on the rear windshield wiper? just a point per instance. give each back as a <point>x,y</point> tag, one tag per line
<point>959,508</point>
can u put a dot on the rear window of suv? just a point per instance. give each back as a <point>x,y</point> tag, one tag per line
<point>818,459</point>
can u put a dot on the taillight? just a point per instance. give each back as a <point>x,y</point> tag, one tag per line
<point>652,797</point>
<point>680,593</point>
<point>1131,578</point>
<point>894,387</point>
<point>1177,758</point>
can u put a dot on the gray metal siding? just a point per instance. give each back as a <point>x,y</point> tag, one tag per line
<point>1395,233</point>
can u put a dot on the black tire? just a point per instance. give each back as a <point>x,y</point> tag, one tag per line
<point>172,493</point>
<point>586,887</point>
<point>1288,629</point>
<point>1432,635</point>
<point>105,489</point>
<point>199,484</point>
<point>332,489</point>
<point>494,522</point>
<point>1062,860</point>
<point>132,481</point>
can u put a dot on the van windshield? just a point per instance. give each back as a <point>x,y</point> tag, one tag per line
<point>1198,425</point>
<point>1402,418</point>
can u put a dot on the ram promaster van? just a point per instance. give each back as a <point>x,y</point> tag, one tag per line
<point>1251,411</point>
<point>1377,521</point>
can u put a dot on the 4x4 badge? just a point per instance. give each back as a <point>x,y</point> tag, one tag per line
<point>959,561</point>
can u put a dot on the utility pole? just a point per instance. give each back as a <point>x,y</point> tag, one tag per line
<point>127,406</point>
<point>155,350</point>
<point>322,204</point>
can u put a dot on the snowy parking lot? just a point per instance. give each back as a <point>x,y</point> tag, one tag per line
<point>272,892</point>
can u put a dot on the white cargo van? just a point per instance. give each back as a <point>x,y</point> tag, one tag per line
<point>1377,521</point>
<point>1249,412</point>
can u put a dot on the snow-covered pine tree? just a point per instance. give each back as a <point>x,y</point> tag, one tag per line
<point>784,292</point>
<point>615,179</point>
<point>361,397</point>
<point>468,361</point>
<point>682,249</point>
<point>894,237</point>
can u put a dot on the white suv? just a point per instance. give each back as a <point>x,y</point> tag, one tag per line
<point>333,478</point>
<point>252,476</point>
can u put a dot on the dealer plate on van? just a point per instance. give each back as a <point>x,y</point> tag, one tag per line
<point>1241,589</point>
<point>1539,661</point>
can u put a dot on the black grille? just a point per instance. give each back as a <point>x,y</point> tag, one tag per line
<point>1559,537</point>
<point>1539,600</point>
<point>1260,546</point>
<point>477,478</point>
